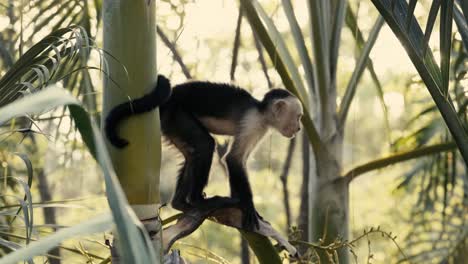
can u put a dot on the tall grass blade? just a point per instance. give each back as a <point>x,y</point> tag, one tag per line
<point>98,224</point>
<point>29,170</point>
<point>446,14</point>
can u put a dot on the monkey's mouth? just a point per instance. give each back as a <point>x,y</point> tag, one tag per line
<point>289,134</point>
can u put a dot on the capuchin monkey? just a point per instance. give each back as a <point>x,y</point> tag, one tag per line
<point>194,111</point>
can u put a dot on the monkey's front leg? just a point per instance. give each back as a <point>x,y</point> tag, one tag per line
<point>240,189</point>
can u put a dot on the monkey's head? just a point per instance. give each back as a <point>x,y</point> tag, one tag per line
<point>285,111</point>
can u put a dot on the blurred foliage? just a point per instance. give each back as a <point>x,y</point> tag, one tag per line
<point>431,225</point>
<point>440,182</point>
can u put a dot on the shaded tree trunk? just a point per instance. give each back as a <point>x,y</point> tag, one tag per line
<point>303,218</point>
<point>329,199</point>
<point>49,212</point>
<point>284,181</point>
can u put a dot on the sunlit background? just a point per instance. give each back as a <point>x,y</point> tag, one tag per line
<point>203,33</point>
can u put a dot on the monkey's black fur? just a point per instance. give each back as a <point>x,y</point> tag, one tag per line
<point>181,124</point>
<point>141,105</point>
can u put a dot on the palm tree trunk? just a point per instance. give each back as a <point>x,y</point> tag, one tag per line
<point>329,199</point>
<point>130,36</point>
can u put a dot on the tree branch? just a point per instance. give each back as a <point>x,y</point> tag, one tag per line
<point>174,51</point>
<point>237,42</point>
<point>191,220</point>
<point>396,158</point>
<point>357,73</point>
<point>284,180</point>
<point>261,59</point>
<point>351,22</point>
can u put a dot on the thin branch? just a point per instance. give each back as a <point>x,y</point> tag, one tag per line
<point>356,76</point>
<point>237,43</point>
<point>397,158</point>
<point>174,51</point>
<point>284,180</point>
<point>189,221</point>
<point>261,59</point>
<point>351,22</point>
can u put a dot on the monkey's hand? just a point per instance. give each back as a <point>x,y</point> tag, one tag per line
<point>249,216</point>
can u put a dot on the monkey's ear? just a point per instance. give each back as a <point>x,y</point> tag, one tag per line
<point>278,107</point>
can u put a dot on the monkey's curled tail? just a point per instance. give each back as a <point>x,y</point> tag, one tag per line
<point>146,103</point>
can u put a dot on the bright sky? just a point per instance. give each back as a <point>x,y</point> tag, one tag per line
<point>207,19</point>
<point>215,21</point>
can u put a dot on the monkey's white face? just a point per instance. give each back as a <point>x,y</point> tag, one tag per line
<point>287,113</point>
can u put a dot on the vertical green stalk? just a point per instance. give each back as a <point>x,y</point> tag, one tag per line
<point>130,36</point>
<point>319,18</point>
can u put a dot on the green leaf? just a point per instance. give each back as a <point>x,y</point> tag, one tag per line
<point>426,66</point>
<point>98,224</point>
<point>262,247</point>
<point>39,65</point>
<point>26,208</point>
<point>464,7</point>
<point>412,6</point>
<point>132,236</point>
<point>446,13</point>
<point>430,23</point>
<point>462,26</point>
<point>29,169</point>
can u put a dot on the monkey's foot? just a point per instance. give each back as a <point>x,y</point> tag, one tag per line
<point>181,206</point>
<point>231,216</point>
<point>215,202</point>
<point>250,218</point>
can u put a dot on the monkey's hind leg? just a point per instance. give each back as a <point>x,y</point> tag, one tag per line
<point>179,200</point>
<point>196,144</point>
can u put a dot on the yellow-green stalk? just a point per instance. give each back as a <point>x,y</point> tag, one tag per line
<point>130,37</point>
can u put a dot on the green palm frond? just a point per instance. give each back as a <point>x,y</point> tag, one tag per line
<point>440,180</point>
<point>439,233</point>
<point>46,62</point>
<point>400,17</point>
<point>134,239</point>
<point>39,18</point>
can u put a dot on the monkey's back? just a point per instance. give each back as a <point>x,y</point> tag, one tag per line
<point>206,99</point>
